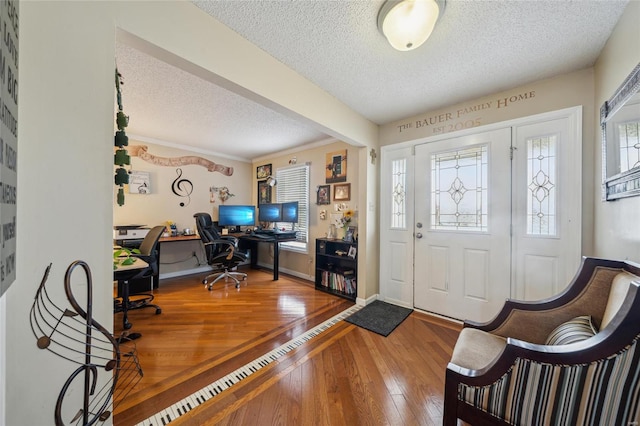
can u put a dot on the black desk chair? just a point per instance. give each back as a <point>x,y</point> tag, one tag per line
<point>148,253</point>
<point>221,250</point>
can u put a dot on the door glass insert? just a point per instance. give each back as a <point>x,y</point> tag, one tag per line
<point>459,190</point>
<point>398,194</point>
<point>541,172</point>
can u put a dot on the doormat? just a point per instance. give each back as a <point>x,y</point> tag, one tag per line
<point>379,317</point>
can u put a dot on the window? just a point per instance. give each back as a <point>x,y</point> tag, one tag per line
<point>542,197</point>
<point>459,190</point>
<point>398,195</point>
<point>293,185</point>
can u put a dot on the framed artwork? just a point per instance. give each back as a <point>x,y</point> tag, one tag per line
<point>264,192</point>
<point>264,171</point>
<point>342,192</point>
<point>352,251</point>
<point>336,167</point>
<point>139,183</point>
<point>324,194</point>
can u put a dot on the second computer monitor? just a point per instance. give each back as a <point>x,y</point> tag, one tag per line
<point>270,213</point>
<point>290,212</point>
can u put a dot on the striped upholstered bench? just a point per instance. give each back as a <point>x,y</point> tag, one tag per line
<point>573,359</point>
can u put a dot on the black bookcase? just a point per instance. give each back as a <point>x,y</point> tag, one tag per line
<point>337,267</point>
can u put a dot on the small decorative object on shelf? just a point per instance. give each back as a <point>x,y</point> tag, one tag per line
<point>336,267</point>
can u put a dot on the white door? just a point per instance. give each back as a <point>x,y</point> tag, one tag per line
<point>547,205</point>
<point>396,227</point>
<point>462,225</point>
<point>482,236</point>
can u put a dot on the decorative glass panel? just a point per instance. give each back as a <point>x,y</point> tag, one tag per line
<point>629,145</point>
<point>398,194</point>
<point>459,190</point>
<point>541,173</point>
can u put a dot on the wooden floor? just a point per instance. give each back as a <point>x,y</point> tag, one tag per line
<point>344,376</point>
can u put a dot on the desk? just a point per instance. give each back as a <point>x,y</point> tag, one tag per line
<point>155,279</point>
<point>123,274</point>
<point>251,241</point>
<point>179,238</point>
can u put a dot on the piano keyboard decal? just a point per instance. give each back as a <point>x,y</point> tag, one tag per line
<point>197,398</point>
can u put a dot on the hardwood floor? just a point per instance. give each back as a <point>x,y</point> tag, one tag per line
<point>344,376</point>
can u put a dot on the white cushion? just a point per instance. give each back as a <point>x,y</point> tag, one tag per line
<point>617,294</point>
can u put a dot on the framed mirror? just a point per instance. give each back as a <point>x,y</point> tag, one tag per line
<point>620,121</point>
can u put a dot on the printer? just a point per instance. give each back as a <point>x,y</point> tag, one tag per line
<point>129,236</point>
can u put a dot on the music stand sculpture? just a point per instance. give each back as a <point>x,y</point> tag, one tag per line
<point>62,332</point>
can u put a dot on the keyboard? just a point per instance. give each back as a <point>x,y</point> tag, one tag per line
<point>263,236</point>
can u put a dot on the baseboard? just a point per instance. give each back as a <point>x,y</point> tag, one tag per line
<point>174,274</point>
<point>287,271</point>
<point>396,302</point>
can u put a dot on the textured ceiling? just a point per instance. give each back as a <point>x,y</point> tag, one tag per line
<point>477,48</point>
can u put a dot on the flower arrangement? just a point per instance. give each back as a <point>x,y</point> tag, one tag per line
<point>347,216</point>
<point>172,228</point>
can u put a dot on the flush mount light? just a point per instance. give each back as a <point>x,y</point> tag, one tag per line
<point>409,23</point>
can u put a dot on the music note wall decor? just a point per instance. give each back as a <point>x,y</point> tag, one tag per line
<point>182,188</point>
<point>110,367</point>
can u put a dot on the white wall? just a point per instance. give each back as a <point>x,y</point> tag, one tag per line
<point>617,228</point>
<point>65,184</point>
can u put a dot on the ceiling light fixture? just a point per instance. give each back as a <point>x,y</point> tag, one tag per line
<point>409,23</point>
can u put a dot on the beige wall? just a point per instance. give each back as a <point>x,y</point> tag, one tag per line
<point>551,94</point>
<point>617,225</point>
<point>299,264</point>
<point>65,156</point>
<point>162,205</point>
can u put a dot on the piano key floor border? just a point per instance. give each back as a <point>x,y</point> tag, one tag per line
<point>171,413</point>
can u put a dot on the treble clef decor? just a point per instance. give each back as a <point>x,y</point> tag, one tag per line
<point>105,363</point>
<point>182,187</point>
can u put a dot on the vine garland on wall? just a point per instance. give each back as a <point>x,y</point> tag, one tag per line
<point>121,157</point>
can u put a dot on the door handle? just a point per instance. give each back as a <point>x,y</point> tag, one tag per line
<point>419,235</point>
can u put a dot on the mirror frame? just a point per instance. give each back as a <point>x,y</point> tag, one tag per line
<point>625,184</point>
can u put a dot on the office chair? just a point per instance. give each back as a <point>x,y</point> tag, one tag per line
<point>221,250</point>
<point>148,253</point>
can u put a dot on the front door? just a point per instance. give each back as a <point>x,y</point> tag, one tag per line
<point>462,225</point>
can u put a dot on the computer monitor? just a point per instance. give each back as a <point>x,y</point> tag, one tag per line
<point>236,215</point>
<point>290,212</point>
<point>270,212</point>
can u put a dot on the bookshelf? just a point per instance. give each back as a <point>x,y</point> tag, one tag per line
<point>337,267</point>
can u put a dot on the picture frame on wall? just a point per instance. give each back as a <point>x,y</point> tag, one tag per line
<point>336,167</point>
<point>263,172</point>
<point>342,192</point>
<point>139,182</point>
<point>264,192</point>
<point>324,194</point>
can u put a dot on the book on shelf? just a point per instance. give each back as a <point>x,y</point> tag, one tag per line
<point>338,282</point>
